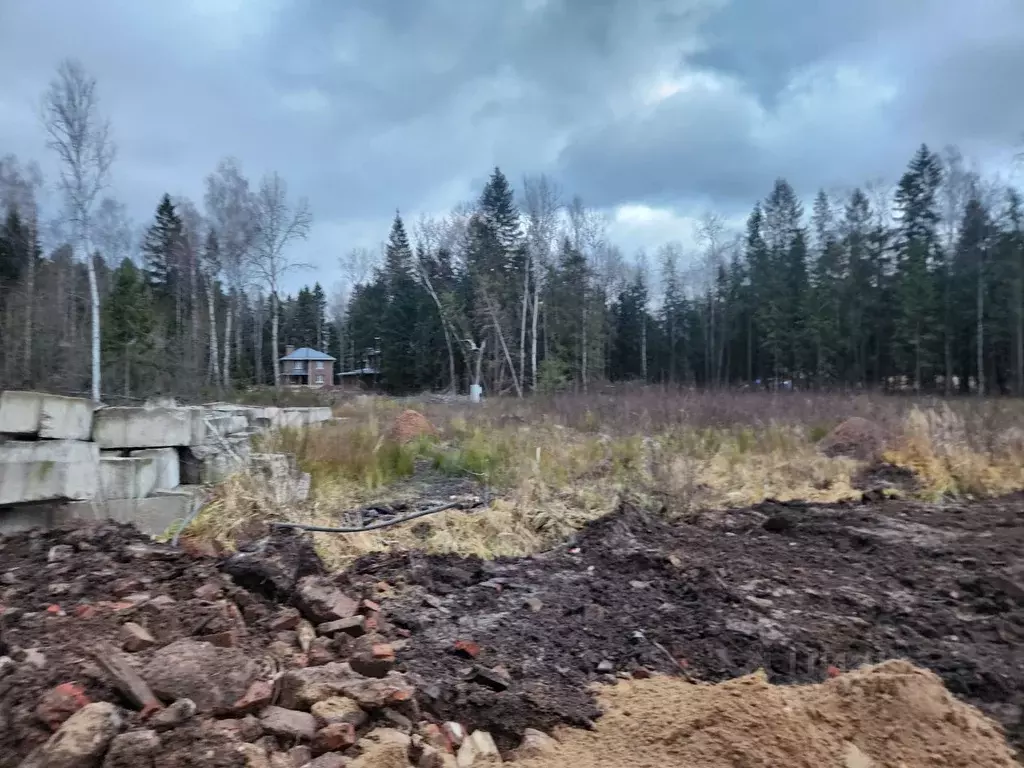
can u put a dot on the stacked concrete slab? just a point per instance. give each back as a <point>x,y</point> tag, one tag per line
<point>138,464</point>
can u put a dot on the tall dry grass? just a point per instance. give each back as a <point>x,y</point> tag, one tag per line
<point>554,463</point>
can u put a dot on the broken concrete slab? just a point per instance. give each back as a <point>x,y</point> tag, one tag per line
<point>47,470</point>
<point>127,477</point>
<point>51,417</point>
<point>127,427</point>
<point>153,515</point>
<point>167,465</point>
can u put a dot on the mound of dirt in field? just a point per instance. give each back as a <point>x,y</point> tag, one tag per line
<point>409,425</point>
<point>889,715</point>
<point>855,438</point>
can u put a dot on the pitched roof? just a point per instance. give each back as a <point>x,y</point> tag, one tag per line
<point>307,354</point>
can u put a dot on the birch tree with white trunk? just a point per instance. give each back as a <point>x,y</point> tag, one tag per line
<point>278,223</point>
<point>540,206</point>
<point>231,210</point>
<point>81,139</point>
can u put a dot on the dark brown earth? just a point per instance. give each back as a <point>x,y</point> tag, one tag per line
<point>793,588</point>
<point>797,589</point>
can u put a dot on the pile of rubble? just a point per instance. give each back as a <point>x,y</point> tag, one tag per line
<point>132,464</point>
<point>115,651</point>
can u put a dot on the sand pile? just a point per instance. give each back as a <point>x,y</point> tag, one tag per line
<point>893,715</point>
<point>855,438</point>
<point>409,425</point>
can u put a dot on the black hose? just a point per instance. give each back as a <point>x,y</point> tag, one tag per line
<point>374,526</point>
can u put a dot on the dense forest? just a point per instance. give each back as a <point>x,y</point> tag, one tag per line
<point>914,285</point>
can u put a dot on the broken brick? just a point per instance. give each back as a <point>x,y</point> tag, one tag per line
<point>334,737</point>
<point>454,732</point>
<point>467,649</point>
<point>285,619</point>
<point>227,639</point>
<point>369,606</point>
<point>60,703</point>
<point>84,611</point>
<point>353,625</point>
<point>55,610</point>
<point>258,696</point>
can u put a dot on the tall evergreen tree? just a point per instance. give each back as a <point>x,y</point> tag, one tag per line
<point>399,314</point>
<point>128,325</point>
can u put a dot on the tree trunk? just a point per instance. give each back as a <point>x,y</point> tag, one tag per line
<point>273,335</point>
<point>522,323</point>
<point>228,317</point>
<point>238,332</point>
<point>127,373</point>
<point>213,370</point>
<point>643,346</point>
<point>452,386</point>
<point>193,304</point>
<point>533,340</point>
<point>94,300</point>
<point>30,289</point>
<point>504,347</point>
<point>257,341</point>
<point>1018,303</point>
<point>981,326</point>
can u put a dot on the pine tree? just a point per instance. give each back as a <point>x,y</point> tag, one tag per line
<point>128,324</point>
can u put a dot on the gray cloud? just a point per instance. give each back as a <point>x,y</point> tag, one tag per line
<point>366,106</point>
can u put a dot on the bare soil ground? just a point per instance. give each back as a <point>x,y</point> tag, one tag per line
<point>802,591</point>
<point>793,588</point>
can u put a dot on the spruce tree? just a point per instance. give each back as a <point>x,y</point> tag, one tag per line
<point>399,315</point>
<point>160,248</point>
<point>128,324</point>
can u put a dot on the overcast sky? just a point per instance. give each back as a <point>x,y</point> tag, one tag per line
<point>652,110</point>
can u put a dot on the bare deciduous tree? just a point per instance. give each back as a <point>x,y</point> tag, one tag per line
<point>81,139</point>
<point>231,210</point>
<point>541,205</point>
<point>278,223</point>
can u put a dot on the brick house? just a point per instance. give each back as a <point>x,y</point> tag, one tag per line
<point>306,367</point>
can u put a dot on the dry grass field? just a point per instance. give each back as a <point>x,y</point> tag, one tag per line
<point>549,465</point>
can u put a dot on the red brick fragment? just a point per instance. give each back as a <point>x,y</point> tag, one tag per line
<point>60,703</point>
<point>467,649</point>
<point>84,611</point>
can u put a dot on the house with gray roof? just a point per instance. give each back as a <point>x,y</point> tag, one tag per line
<point>306,367</point>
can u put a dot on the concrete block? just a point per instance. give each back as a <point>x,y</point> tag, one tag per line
<point>125,427</point>
<point>300,418</point>
<point>127,477</point>
<point>52,417</point>
<point>51,469</point>
<point>152,515</point>
<point>209,464</point>
<point>167,463</point>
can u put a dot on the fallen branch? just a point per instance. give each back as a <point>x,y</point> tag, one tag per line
<point>127,680</point>
<point>376,526</point>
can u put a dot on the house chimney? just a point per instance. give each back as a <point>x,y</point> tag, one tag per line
<point>288,349</point>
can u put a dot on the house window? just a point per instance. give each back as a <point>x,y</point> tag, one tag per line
<point>319,379</point>
<point>320,365</point>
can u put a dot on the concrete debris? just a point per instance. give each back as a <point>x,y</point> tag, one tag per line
<point>81,741</point>
<point>214,678</point>
<point>478,749</point>
<point>288,723</point>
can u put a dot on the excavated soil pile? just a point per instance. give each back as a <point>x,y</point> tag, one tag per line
<point>889,716</point>
<point>856,438</point>
<point>409,425</point>
<point>795,589</point>
<point>119,652</point>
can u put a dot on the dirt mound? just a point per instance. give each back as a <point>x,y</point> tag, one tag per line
<point>855,438</point>
<point>409,425</point>
<point>892,714</point>
<point>837,586</point>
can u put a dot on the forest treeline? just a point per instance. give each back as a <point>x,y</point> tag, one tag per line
<point>914,285</point>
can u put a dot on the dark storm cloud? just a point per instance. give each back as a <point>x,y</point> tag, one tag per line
<point>365,106</point>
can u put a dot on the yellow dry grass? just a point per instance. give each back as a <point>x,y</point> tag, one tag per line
<point>549,479</point>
